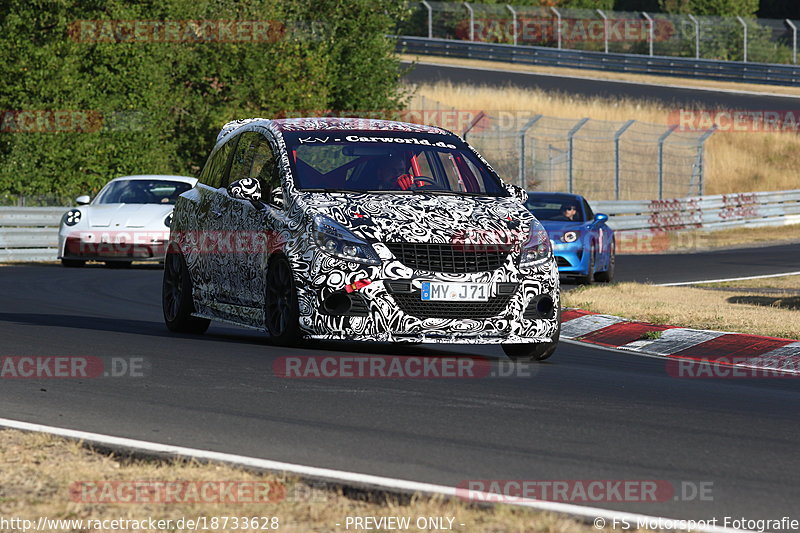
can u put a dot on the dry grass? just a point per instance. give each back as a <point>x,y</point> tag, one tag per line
<point>38,471</point>
<point>606,75</point>
<point>744,312</point>
<point>694,241</point>
<point>735,161</point>
<point>782,282</point>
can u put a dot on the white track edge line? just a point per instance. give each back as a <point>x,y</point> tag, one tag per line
<point>763,276</point>
<point>340,475</point>
<point>589,78</point>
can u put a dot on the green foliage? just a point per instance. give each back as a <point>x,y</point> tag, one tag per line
<point>145,105</point>
<point>744,8</point>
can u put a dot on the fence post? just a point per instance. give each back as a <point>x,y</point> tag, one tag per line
<point>744,26</point>
<point>430,18</point>
<point>480,116</point>
<point>523,180</point>
<point>661,159</point>
<point>701,158</point>
<point>696,36</point>
<point>570,163</point>
<point>650,32</point>
<point>558,27</point>
<point>605,28</point>
<point>471,21</point>
<point>617,135</point>
<point>794,40</point>
<point>513,21</point>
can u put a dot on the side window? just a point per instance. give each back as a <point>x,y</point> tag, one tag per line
<point>265,168</point>
<point>588,211</point>
<point>243,156</point>
<point>213,173</point>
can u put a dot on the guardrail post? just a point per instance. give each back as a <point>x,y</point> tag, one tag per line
<point>701,158</point>
<point>794,40</point>
<point>513,21</point>
<point>471,21</point>
<point>430,18</point>
<point>570,162</point>
<point>558,25</point>
<point>617,135</point>
<point>744,26</point>
<point>605,28</point>
<point>696,36</point>
<point>661,159</point>
<point>522,177</point>
<point>650,32</point>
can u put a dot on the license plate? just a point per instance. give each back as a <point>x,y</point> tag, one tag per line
<point>455,292</point>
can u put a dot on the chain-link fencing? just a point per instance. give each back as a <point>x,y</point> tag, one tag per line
<point>702,37</point>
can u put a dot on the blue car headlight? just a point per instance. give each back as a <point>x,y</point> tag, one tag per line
<point>72,217</point>
<point>538,248</point>
<point>571,236</point>
<point>338,241</point>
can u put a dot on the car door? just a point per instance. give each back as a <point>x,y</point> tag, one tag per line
<point>243,232</point>
<point>198,241</point>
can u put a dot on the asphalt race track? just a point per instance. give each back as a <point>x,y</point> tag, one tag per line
<point>587,414</point>
<point>591,88</point>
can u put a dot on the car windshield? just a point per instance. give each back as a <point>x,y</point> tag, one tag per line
<point>396,162</point>
<point>555,207</point>
<point>143,192</point>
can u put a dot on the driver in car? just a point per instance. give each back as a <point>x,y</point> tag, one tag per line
<point>393,175</point>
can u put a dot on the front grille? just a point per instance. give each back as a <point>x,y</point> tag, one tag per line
<point>412,304</point>
<point>452,258</point>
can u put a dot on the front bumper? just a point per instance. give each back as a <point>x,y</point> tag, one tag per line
<point>571,258</point>
<point>390,308</point>
<point>95,248</point>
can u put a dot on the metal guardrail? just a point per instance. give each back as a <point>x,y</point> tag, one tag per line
<point>29,233</point>
<point>761,73</point>
<point>704,213</point>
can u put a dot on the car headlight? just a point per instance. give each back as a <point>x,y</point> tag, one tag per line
<point>571,236</point>
<point>538,247</point>
<point>72,217</point>
<point>336,240</point>
<point>168,220</point>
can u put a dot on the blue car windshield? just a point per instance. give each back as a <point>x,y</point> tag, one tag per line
<point>388,161</point>
<point>558,207</point>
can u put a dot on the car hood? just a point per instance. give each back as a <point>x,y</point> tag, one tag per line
<point>424,217</point>
<point>557,228</point>
<point>128,215</point>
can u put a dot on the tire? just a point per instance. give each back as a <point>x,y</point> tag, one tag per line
<point>118,264</point>
<point>281,312</point>
<point>176,297</point>
<point>534,351</point>
<point>608,275</point>
<point>73,263</point>
<point>588,279</point>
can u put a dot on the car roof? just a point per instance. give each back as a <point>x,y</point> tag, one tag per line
<point>185,179</point>
<point>332,123</point>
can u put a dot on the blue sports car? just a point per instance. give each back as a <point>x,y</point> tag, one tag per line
<point>583,244</point>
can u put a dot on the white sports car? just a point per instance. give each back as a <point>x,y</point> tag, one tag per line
<point>128,221</point>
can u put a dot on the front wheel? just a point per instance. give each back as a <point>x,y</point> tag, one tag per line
<point>281,311</point>
<point>73,263</point>
<point>608,275</point>
<point>176,297</point>
<point>534,351</point>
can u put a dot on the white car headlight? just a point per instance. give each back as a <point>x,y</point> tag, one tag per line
<point>72,217</point>
<point>571,236</point>
<point>538,248</point>
<point>338,241</point>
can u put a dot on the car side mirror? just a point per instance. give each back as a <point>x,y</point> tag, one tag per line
<point>600,217</point>
<point>82,200</point>
<point>245,189</point>
<point>517,192</point>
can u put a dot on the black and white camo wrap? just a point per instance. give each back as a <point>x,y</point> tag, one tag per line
<point>376,219</point>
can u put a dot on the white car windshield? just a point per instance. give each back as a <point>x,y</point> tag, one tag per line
<point>143,192</point>
<point>369,161</point>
